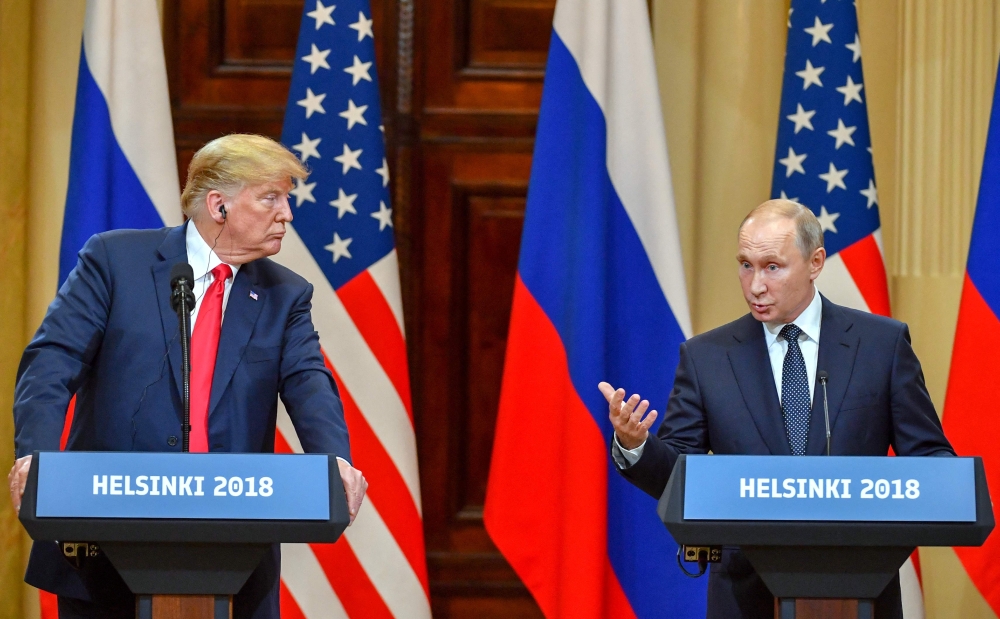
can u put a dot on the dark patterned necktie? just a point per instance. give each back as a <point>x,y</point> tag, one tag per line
<point>795,392</point>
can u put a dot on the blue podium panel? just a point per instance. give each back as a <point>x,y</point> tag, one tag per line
<point>165,485</point>
<point>837,488</point>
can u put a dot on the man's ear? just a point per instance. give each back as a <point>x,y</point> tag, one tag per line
<point>214,201</point>
<point>817,262</point>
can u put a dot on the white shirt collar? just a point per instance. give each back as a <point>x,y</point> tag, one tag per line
<point>200,256</point>
<point>809,321</point>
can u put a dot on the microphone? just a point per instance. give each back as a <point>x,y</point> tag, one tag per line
<point>182,302</point>
<point>823,377</point>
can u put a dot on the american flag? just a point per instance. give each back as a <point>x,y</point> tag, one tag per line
<point>342,241</point>
<point>824,160</point>
<point>824,157</point>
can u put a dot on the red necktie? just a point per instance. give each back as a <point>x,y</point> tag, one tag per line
<point>204,346</point>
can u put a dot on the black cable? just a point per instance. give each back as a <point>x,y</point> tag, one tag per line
<point>702,564</point>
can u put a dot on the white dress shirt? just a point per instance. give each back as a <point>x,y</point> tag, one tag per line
<point>809,321</point>
<point>203,259</point>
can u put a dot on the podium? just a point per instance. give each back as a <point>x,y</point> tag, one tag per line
<point>826,534</point>
<point>185,531</point>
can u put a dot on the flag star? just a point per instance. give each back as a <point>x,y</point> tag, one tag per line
<point>307,147</point>
<point>810,75</point>
<point>383,215</point>
<point>303,192</point>
<point>344,204</point>
<point>322,14</point>
<point>317,59</point>
<point>312,103</point>
<point>785,197</point>
<point>790,11</point>
<point>820,32</point>
<point>384,172</point>
<point>851,91</point>
<point>359,71</point>
<point>349,159</point>
<point>826,220</point>
<point>870,193</point>
<point>339,247</point>
<point>855,47</point>
<point>793,162</point>
<point>842,134</point>
<point>834,178</point>
<point>354,114</point>
<point>363,26</point>
<point>802,118</point>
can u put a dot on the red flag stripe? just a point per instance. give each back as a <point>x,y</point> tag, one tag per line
<point>350,581</point>
<point>864,262</point>
<point>387,490</point>
<point>376,321</point>
<point>289,607</point>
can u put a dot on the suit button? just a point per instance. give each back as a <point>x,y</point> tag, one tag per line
<point>172,441</point>
<point>217,446</point>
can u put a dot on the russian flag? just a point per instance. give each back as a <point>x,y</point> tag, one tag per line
<point>599,295</point>
<point>970,419</point>
<point>122,166</point>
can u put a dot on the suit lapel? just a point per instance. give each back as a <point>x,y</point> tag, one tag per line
<point>838,347</point>
<point>752,368</point>
<point>172,250</point>
<point>237,326</point>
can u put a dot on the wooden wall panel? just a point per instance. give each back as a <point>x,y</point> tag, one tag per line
<point>461,83</point>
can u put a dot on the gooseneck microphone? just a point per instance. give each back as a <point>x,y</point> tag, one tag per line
<point>823,377</point>
<point>182,302</point>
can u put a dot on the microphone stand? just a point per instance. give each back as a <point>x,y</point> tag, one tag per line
<point>182,300</point>
<point>823,376</point>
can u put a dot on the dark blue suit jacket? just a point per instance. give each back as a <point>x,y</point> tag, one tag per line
<point>111,338</point>
<point>724,400</point>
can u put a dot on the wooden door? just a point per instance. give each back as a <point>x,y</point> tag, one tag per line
<point>461,85</point>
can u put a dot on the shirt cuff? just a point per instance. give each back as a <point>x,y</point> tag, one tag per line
<point>625,458</point>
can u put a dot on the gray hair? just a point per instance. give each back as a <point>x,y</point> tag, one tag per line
<point>808,231</point>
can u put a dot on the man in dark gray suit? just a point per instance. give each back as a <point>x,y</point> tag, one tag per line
<point>748,388</point>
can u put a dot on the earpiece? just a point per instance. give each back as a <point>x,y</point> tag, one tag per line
<point>222,209</point>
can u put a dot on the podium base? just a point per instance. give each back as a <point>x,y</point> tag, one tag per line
<point>184,606</point>
<point>812,608</point>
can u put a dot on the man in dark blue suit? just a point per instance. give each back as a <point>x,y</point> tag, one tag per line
<point>748,387</point>
<point>111,338</point>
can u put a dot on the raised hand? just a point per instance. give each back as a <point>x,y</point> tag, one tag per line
<point>627,417</point>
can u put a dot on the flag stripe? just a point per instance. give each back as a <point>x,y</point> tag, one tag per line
<point>562,560</point>
<point>289,607</point>
<point>386,487</point>
<point>375,321</point>
<point>362,375</point>
<point>837,283</point>
<point>354,589</point>
<point>132,77</point>
<point>864,262</point>
<point>306,580</point>
<point>385,272</point>
<point>600,35</point>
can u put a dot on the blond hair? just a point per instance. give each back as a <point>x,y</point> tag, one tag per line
<point>230,163</point>
<point>808,231</point>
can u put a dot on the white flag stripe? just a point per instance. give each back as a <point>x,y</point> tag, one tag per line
<point>132,76</point>
<point>385,272</point>
<point>909,587</point>
<point>287,429</point>
<point>307,582</point>
<point>386,565</point>
<point>601,34</point>
<point>838,285</point>
<point>361,372</point>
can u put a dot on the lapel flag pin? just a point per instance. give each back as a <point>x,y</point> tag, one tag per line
<point>253,295</point>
